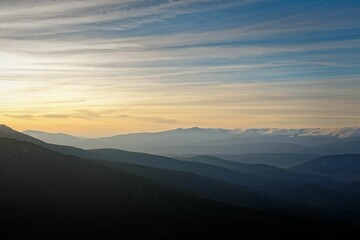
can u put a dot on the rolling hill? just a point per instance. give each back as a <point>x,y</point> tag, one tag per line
<point>281,160</point>
<point>50,195</point>
<point>344,167</point>
<point>273,181</point>
<point>251,168</point>
<point>220,183</point>
<point>268,182</point>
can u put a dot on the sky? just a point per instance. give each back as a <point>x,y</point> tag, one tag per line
<point>103,67</point>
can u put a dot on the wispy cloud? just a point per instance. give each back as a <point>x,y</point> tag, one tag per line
<point>90,115</point>
<point>163,62</point>
<point>151,119</point>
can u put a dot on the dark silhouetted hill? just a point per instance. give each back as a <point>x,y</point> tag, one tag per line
<point>47,195</point>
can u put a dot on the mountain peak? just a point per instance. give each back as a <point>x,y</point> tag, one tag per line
<point>187,129</point>
<point>6,129</point>
<point>7,132</point>
<point>199,129</point>
<point>35,132</point>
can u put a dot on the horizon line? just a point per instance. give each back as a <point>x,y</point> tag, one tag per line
<point>184,128</point>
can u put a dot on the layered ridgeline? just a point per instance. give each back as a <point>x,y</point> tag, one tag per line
<point>46,194</point>
<point>258,186</point>
<point>272,179</point>
<point>344,167</point>
<point>221,141</point>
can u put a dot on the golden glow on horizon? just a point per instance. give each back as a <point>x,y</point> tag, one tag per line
<point>96,68</point>
<point>87,111</point>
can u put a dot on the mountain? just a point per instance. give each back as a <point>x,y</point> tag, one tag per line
<point>54,196</point>
<point>307,137</point>
<point>213,141</point>
<point>136,141</point>
<point>55,138</point>
<point>267,144</point>
<point>346,146</point>
<point>220,183</point>
<point>342,202</point>
<point>265,183</point>
<point>270,173</point>
<point>206,170</point>
<point>235,166</point>
<point>282,160</point>
<point>338,146</point>
<point>244,148</point>
<point>219,190</point>
<point>268,181</point>
<point>352,189</point>
<point>252,176</point>
<point>298,201</point>
<point>302,132</point>
<point>344,167</point>
<point>209,181</point>
<point>315,193</point>
<point>215,189</point>
<point>272,138</point>
<point>7,132</point>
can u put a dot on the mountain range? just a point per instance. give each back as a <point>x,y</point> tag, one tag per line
<point>220,141</point>
<point>57,186</point>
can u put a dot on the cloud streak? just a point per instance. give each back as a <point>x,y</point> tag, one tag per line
<point>164,62</point>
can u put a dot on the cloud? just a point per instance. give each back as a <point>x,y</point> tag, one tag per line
<point>150,119</point>
<point>79,114</point>
<point>86,15</point>
<point>25,117</point>
<point>170,62</point>
<point>90,115</point>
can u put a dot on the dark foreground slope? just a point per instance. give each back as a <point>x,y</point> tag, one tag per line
<point>45,194</point>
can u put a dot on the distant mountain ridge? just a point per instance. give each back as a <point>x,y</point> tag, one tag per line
<point>318,132</point>
<point>246,132</point>
<point>219,141</point>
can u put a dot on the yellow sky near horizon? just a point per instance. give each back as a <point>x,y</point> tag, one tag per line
<point>100,68</point>
<point>90,111</point>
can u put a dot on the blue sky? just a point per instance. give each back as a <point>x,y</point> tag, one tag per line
<point>133,65</point>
